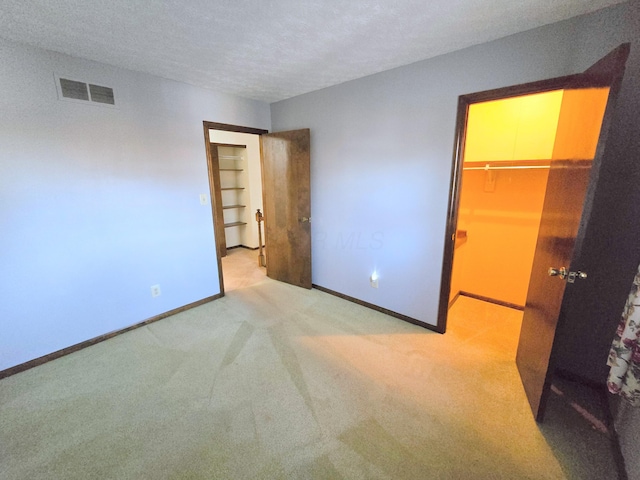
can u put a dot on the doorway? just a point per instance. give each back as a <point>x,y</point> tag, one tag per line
<point>588,102</point>
<point>508,149</point>
<point>510,145</point>
<point>235,178</point>
<point>250,169</point>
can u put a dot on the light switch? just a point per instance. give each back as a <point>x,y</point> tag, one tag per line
<point>203,199</point>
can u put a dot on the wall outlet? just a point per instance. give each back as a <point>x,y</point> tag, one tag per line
<point>373,280</point>
<point>155,290</point>
<point>203,199</point>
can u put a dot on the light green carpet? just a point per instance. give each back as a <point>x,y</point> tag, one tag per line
<point>274,381</point>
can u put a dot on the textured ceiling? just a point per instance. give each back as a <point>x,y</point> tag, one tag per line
<point>271,49</point>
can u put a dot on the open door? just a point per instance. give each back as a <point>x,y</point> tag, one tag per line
<point>287,206</point>
<point>585,114</point>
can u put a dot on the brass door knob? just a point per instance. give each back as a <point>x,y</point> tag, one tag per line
<point>558,272</point>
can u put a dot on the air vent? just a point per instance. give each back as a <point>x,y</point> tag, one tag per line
<point>73,89</point>
<point>81,91</point>
<point>101,94</point>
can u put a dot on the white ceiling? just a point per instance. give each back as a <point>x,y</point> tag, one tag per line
<point>270,50</point>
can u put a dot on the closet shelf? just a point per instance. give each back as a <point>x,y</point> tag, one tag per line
<point>232,188</point>
<point>230,157</point>
<point>231,170</point>
<point>234,224</point>
<point>224,207</point>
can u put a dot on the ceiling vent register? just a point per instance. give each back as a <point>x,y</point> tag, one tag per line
<point>75,90</point>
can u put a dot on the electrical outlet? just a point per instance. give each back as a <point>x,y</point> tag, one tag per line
<point>373,280</point>
<point>155,290</point>
<point>203,199</point>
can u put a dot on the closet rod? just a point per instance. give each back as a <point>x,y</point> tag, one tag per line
<point>508,167</point>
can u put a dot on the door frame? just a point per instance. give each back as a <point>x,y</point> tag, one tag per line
<point>218,226</point>
<point>464,102</point>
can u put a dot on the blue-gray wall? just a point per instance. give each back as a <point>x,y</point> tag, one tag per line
<point>381,153</point>
<point>97,204</point>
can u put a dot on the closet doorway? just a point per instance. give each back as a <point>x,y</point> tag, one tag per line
<point>509,146</point>
<point>563,124</point>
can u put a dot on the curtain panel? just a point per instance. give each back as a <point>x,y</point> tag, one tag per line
<point>624,356</point>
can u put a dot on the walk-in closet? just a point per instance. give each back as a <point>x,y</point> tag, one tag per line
<point>510,145</point>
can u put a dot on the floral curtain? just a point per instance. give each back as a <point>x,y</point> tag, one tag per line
<point>624,356</point>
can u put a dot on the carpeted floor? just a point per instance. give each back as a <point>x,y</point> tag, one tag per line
<point>273,381</point>
<point>240,268</point>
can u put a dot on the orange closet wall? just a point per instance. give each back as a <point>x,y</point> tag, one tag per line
<point>502,228</point>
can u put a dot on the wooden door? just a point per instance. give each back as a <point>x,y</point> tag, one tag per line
<point>287,206</point>
<point>566,211</point>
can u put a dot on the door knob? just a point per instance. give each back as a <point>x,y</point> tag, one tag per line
<point>563,273</point>
<point>558,272</point>
<point>305,219</point>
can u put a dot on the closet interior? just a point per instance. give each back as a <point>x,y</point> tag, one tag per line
<point>510,145</point>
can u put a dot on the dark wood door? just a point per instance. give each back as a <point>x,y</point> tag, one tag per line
<point>580,141</point>
<point>287,206</point>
